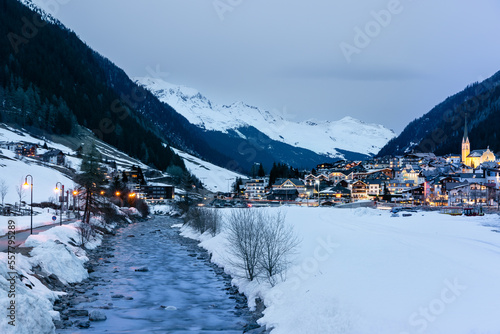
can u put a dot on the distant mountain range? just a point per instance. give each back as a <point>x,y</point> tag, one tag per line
<point>441,129</point>
<point>52,81</point>
<point>347,138</point>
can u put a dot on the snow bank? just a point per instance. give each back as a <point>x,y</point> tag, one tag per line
<point>362,271</point>
<point>33,301</point>
<point>55,251</point>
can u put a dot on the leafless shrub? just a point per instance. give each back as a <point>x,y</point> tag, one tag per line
<point>20,191</point>
<point>4,189</point>
<point>245,231</point>
<point>86,232</point>
<point>213,221</point>
<point>203,220</point>
<point>278,244</point>
<point>260,243</point>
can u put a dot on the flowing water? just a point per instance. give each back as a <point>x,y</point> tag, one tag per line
<point>176,289</point>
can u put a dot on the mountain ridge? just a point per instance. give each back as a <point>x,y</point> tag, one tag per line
<point>441,129</point>
<point>320,136</point>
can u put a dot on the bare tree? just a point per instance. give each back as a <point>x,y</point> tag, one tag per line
<point>4,188</point>
<point>20,191</point>
<point>245,230</point>
<point>260,243</point>
<point>86,232</point>
<point>203,220</point>
<point>278,244</point>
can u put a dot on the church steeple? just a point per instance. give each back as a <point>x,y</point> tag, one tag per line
<point>465,144</point>
<point>466,134</point>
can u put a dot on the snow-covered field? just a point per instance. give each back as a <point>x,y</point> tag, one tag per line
<point>14,173</point>
<point>8,133</point>
<point>24,222</point>
<point>362,271</point>
<point>214,178</point>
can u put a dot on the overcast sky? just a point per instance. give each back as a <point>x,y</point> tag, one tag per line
<point>322,59</point>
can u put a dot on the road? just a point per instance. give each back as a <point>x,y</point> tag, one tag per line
<point>22,235</point>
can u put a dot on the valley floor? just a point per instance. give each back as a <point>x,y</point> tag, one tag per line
<point>362,271</point>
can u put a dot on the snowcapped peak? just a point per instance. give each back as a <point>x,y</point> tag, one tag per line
<point>320,136</point>
<point>160,85</point>
<point>349,119</point>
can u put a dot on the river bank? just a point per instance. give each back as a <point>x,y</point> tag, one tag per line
<point>147,278</point>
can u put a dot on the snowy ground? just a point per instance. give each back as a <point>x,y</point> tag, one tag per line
<point>9,134</point>
<point>213,177</point>
<point>362,271</point>
<point>24,222</point>
<point>14,173</point>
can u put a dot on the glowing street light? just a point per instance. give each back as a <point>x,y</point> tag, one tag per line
<point>61,200</point>
<point>118,194</point>
<point>317,182</point>
<point>26,185</point>
<point>132,195</point>
<point>75,199</point>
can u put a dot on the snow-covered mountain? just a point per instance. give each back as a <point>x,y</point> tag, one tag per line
<point>322,137</point>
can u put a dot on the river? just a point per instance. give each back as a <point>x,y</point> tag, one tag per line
<point>149,279</point>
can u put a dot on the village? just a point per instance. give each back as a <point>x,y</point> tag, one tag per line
<point>452,182</point>
<point>126,180</point>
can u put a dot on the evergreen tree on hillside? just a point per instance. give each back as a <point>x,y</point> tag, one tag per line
<point>90,180</point>
<point>261,172</point>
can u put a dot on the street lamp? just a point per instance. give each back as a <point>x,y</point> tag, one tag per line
<point>26,185</point>
<point>75,205</point>
<point>61,200</point>
<point>317,182</point>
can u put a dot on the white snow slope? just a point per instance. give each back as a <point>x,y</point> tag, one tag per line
<point>322,137</point>
<point>363,272</point>
<point>214,178</point>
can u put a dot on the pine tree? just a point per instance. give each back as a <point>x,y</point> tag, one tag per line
<point>261,172</point>
<point>90,179</point>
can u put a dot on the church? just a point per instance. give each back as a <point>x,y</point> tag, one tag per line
<point>477,157</point>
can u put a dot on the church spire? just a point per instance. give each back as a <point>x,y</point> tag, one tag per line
<point>465,145</point>
<point>466,135</point>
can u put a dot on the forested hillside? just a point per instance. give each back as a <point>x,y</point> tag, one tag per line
<point>441,129</point>
<point>51,81</point>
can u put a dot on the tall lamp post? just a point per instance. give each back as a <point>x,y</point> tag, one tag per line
<point>26,185</point>
<point>61,200</point>
<point>317,182</point>
<point>75,192</point>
